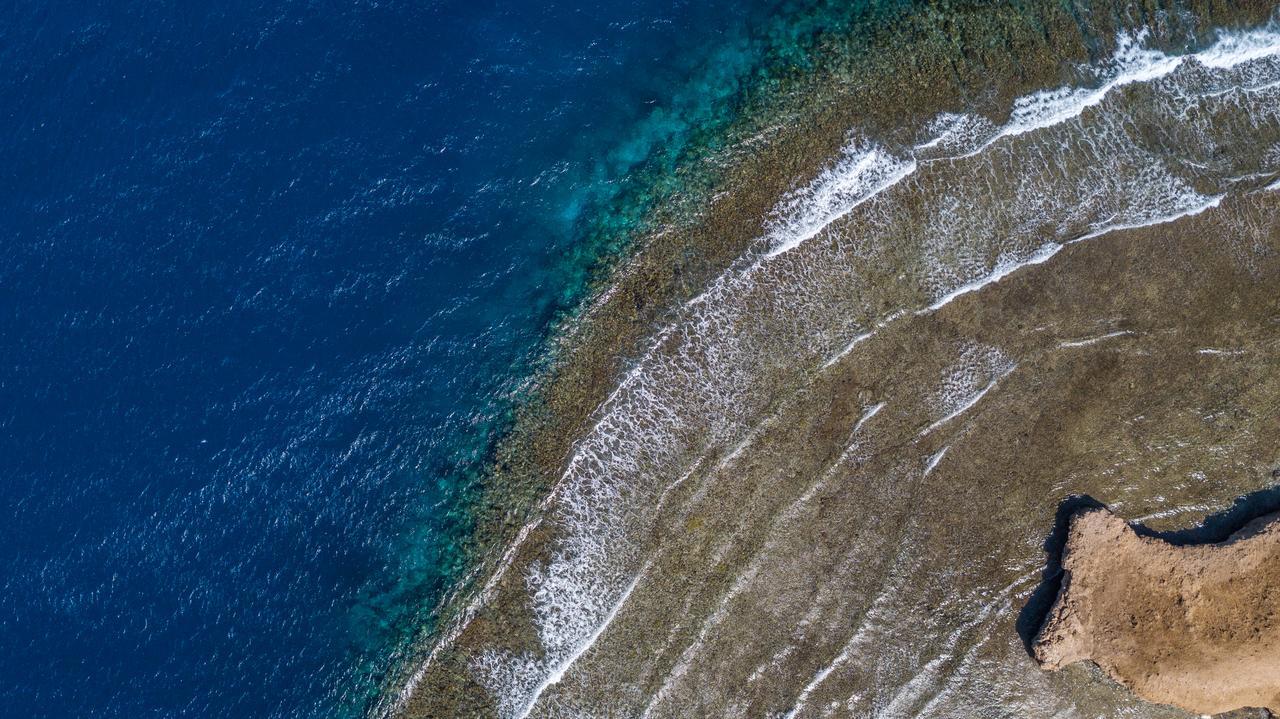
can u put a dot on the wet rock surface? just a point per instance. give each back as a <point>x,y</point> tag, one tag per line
<point>1195,626</point>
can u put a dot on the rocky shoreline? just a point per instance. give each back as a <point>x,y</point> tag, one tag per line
<point>1193,626</point>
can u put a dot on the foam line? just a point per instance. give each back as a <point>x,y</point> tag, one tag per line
<point>1208,204</point>
<point>913,690</point>
<point>1046,108</point>
<point>881,324</point>
<point>1175,511</point>
<point>563,667</point>
<point>1048,250</point>
<point>1135,64</point>
<point>855,179</point>
<point>1095,340</point>
<point>662,499</point>
<point>685,661</point>
<point>1238,48</point>
<point>969,403</point>
<point>866,416</point>
<point>817,679</point>
<point>749,574</point>
<point>1242,88</point>
<point>848,348</point>
<point>482,597</point>
<point>1052,107</point>
<point>465,617</point>
<point>847,651</point>
<point>937,457</point>
<point>1001,271</point>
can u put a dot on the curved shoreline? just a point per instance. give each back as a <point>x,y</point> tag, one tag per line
<point>593,348</point>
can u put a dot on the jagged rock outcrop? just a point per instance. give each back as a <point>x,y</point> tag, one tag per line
<point>1194,626</point>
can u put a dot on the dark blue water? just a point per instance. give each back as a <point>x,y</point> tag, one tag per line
<point>271,274</point>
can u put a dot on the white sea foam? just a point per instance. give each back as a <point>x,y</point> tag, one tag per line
<point>934,460</point>
<point>815,682</point>
<point>685,661</point>
<point>863,172</point>
<point>977,372</point>
<point>967,135</point>
<point>1237,48</point>
<point>558,672</point>
<point>848,348</point>
<point>1094,340</point>
<point>748,575</point>
<point>1005,266</point>
<point>955,135</point>
<point>876,613</point>
<point>968,404</point>
<point>866,416</point>
<point>1132,63</point>
<point>1195,205</point>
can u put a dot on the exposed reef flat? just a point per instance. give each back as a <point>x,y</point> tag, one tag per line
<point>1197,627</point>
<point>813,480</point>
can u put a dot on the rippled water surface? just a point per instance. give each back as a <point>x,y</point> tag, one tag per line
<point>271,275</point>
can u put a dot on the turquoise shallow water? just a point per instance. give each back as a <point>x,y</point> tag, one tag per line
<point>274,274</point>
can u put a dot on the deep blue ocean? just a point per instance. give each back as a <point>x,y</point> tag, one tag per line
<point>271,276</point>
